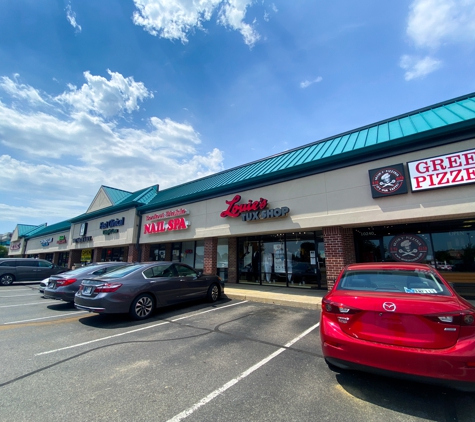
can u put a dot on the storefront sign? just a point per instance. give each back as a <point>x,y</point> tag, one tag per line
<point>83,229</point>
<point>62,239</point>
<point>408,248</point>
<point>443,171</point>
<point>387,181</point>
<point>162,226</point>
<point>110,231</point>
<point>86,255</point>
<point>15,246</point>
<point>252,210</point>
<point>167,214</point>
<point>46,242</point>
<point>82,239</point>
<point>112,223</point>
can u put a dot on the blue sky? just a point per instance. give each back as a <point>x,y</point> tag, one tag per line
<point>131,93</point>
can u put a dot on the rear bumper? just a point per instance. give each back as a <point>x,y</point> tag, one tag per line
<point>445,366</point>
<point>58,295</point>
<point>89,308</point>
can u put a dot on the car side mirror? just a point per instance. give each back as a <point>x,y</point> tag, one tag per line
<point>199,274</point>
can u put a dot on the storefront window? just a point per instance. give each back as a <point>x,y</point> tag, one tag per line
<point>111,254</point>
<point>291,259</point>
<point>187,253</point>
<point>222,258</point>
<point>455,251</point>
<point>63,259</point>
<point>157,252</point>
<point>200,255</point>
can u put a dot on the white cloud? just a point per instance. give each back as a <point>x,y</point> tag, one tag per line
<point>306,83</point>
<point>55,158</point>
<point>417,68</point>
<point>435,22</point>
<point>71,16</point>
<point>176,19</point>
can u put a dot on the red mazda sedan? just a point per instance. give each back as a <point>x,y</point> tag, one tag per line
<point>401,320</point>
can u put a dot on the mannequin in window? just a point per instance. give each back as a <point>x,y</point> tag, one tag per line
<point>267,260</point>
<point>256,263</point>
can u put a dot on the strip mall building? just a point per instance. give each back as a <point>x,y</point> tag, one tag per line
<point>398,190</point>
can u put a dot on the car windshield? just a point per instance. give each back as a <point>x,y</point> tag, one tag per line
<point>403,281</point>
<point>122,272</point>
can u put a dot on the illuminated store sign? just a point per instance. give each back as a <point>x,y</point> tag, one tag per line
<point>62,239</point>
<point>112,223</point>
<point>46,242</point>
<point>252,210</point>
<point>443,171</point>
<point>387,181</point>
<point>15,246</point>
<point>167,214</point>
<point>163,226</point>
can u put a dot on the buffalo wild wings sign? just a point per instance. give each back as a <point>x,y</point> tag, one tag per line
<point>443,171</point>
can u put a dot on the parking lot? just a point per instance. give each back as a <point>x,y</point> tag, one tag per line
<point>234,360</point>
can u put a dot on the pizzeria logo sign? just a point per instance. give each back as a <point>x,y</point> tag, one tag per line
<point>252,210</point>
<point>386,181</point>
<point>408,248</point>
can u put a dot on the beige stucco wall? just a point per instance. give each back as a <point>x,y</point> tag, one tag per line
<point>336,198</point>
<point>34,244</point>
<point>125,236</point>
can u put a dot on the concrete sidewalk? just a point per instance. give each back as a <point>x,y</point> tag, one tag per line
<point>298,298</point>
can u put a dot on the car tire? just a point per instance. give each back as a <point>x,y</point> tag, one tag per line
<point>213,293</point>
<point>142,307</point>
<point>6,279</point>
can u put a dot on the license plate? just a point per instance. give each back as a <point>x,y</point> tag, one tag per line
<point>87,290</point>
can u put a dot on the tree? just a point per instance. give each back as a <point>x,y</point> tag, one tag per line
<point>3,251</point>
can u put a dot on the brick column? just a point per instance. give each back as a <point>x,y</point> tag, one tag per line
<point>97,255</point>
<point>339,251</point>
<point>133,253</point>
<point>145,252</point>
<point>233,263</point>
<point>74,256</point>
<point>211,255</point>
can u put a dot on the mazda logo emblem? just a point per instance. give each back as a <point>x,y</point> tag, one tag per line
<point>389,306</point>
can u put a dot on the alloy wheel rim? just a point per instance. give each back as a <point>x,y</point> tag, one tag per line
<point>143,306</point>
<point>214,292</point>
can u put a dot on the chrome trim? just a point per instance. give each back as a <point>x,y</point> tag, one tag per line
<point>89,308</point>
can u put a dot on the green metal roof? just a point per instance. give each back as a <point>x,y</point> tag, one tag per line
<point>25,229</point>
<point>115,195</point>
<point>133,200</point>
<point>54,228</point>
<point>404,133</point>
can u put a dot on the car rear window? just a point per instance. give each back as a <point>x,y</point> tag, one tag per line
<point>403,281</point>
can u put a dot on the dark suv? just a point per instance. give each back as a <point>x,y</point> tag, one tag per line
<point>26,269</point>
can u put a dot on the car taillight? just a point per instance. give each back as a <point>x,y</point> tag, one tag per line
<point>340,310</point>
<point>464,318</point>
<point>66,282</point>
<point>107,287</point>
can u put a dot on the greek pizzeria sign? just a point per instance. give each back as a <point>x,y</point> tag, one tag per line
<point>167,221</point>
<point>443,171</point>
<point>252,210</point>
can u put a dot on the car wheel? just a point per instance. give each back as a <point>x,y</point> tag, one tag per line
<point>213,293</point>
<point>142,307</point>
<point>6,279</point>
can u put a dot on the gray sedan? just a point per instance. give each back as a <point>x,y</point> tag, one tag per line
<point>140,288</point>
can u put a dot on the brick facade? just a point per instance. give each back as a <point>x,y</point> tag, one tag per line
<point>339,251</point>
<point>211,255</point>
<point>233,270</point>
<point>74,257</point>
<point>132,253</point>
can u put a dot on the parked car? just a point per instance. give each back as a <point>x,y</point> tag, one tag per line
<point>64,286</point>
<point>400,320</point>
<point>26,269</point>
<point>43,285</point>
<point>139,289</point>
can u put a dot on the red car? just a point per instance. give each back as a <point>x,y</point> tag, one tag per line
<point>401,320</point>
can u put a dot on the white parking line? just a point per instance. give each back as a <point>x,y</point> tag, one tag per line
<point>46,317</point>
<point>31,294</point>
<point>136,330</point>
<point>17,290</point>
<point>222,389</point>
<point>28,304</point>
